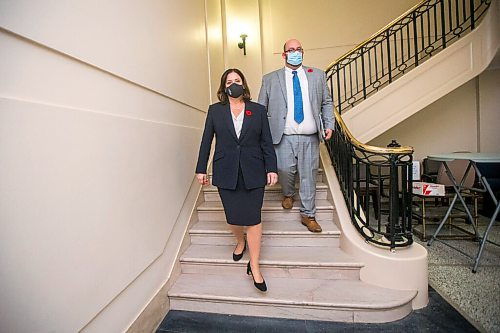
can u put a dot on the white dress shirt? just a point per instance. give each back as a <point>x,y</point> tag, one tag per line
<point>308,125</point>
<point>238,121</point>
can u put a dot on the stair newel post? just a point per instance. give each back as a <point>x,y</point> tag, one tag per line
<point>394,228</point>
<point>406,196</point>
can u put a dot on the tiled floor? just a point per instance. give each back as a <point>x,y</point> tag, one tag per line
<point>475,296</point>
<point>438,316</point>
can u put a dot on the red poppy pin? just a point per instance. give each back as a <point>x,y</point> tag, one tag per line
<point>248,112</point>
<point>309,70</point>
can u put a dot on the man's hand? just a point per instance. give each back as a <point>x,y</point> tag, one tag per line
<point>202,178</point>
<point>328,134</point>
<point>272,178</point>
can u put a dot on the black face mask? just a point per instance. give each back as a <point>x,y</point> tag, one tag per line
<point>235,90</point>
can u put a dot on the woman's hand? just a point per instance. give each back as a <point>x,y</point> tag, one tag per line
<point>202,178</point>
<point>272,178</point>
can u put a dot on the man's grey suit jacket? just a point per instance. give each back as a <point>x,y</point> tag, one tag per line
<point>274,97</point>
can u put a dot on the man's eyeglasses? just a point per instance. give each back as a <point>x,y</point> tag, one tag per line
<point>299,49</point>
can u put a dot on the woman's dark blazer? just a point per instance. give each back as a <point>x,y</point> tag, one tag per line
<point>253,151</point>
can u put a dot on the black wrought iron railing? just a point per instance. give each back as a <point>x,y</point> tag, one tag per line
<point>405,43</point>
<point>376,183</point>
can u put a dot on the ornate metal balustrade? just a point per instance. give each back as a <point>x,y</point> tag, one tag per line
<point>376,183</point>
<point>405,43</point>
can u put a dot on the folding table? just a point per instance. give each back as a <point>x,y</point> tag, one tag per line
<point>475,160</point>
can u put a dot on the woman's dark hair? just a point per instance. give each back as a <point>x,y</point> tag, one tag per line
<point>221,93</point>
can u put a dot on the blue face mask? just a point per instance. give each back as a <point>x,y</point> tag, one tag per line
<point>294,58</point>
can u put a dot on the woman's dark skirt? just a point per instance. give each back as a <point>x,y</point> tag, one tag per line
<point>241,206</point>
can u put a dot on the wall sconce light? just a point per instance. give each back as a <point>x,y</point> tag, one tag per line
<point>243,44</point>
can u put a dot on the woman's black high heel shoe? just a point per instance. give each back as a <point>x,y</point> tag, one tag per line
<point>262,285</point>
<point>237,257</point>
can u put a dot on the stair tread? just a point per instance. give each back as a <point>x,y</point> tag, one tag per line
<point>269,205</point>
<point>268,228</point>
<point>351,294</point>
<point>274,188</point>
<point>270,255</point>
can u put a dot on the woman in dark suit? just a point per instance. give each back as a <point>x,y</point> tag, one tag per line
<point>244,162</point>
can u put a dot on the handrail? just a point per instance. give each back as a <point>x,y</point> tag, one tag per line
<point>378,177</point>
<point>403,44</point>
<point>372,149</point>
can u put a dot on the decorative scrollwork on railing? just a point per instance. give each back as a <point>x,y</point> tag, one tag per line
<point>376,183</point>
<point>405,43</point>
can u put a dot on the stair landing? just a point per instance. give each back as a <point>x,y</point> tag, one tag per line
<point>294,298</point>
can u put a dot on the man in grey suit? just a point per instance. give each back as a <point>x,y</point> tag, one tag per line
<point>300,114</point>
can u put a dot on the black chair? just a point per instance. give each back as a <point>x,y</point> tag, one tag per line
<point>490,171</point>
<point>430,170</point>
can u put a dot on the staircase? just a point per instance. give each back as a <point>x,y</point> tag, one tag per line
<point>308,275</point>
<point>412,76</point>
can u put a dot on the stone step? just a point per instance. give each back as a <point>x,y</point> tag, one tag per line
<point>271,211</point>
<point>272,192</point>
<point>274,233</point>
<point>275,261</point>
<point>289,297</point>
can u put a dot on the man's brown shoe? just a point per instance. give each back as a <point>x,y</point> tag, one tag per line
<point>287,202</point>
<point>311,224</point>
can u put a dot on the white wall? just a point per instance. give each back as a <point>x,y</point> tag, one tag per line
<point>326,29</point>
<point>489,110</point>
<point>215,41</point>
<point>447,125</point>
<point>467,119</point>
<point>101,110</point>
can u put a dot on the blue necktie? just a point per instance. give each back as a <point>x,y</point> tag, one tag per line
<point>298,111</point>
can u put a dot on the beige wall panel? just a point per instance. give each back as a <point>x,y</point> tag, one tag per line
<point>36,74</point>
<point>88,202</point>
<point>154,43</point>
<point>489,106</point>
<point>242,17</point>
<point>215,40</point>
<point>327,29</point>
<point>447,125</point>
<point>92,180</point>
